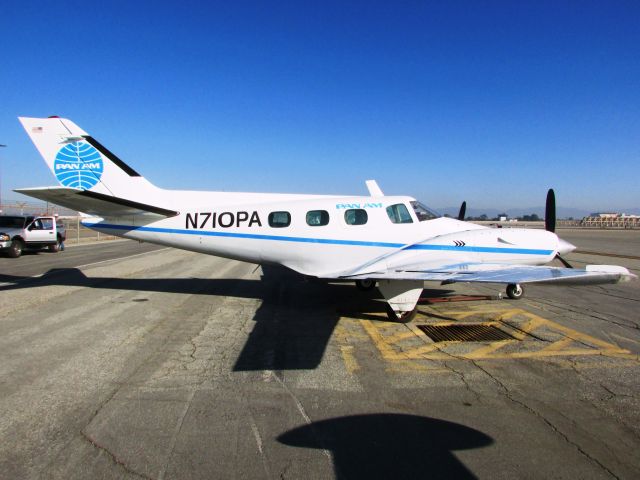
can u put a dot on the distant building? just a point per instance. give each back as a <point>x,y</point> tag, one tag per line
<point>611,220</point>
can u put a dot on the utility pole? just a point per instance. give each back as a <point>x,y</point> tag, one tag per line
<point>1,182</point>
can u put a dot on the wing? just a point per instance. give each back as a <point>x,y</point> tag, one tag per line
<point>95,203</point>
<point>497,273</point>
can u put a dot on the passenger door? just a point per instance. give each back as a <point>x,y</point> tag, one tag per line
<point>41,230</point>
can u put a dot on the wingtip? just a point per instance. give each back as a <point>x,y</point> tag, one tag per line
<point>624,274</point>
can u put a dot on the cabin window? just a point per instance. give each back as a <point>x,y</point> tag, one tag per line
<point>42,224</point>
<point>36,225</point>
<point>317,218</point>
<point>423,213</point>
<point>399,213</point>
<point>47,223</point>
<point>356,216</point>
<point>279,219</point>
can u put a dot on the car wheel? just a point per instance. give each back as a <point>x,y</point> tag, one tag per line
<point>16,248</point>
<point>55,247</point>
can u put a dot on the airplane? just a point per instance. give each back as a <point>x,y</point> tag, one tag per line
<point>392,242</point>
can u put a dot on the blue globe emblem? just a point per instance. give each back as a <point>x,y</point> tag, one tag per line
<point>78,165</point>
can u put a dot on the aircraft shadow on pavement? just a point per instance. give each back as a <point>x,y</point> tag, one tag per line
<point>293,324</point>
<point>390,445</point>
<point>296,320</point>
<point>298,316</point>
<point>195,286</point>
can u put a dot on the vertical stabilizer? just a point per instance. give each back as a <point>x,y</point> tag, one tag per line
<point>77,160</point>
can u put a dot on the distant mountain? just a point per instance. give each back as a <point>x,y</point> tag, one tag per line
<point>561,213</point>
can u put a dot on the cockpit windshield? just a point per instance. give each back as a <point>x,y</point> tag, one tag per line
<point>12,222</point>
<point>423,213</point>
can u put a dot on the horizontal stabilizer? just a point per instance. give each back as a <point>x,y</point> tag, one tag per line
<point>94,203</point>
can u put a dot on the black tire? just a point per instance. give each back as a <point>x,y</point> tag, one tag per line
<point>515,291</point>
<point>55,247</point>
<point>366,285</point>
<point>15,250</point>
<point>405,317</point>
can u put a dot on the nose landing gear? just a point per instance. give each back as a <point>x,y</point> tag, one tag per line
<point>515,291</point>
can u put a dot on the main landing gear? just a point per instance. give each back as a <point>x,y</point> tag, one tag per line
<point>401,317</point>
<point>365,285</point>
<point>515,291</point>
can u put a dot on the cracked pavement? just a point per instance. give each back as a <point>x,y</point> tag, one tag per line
<point>171,364</point>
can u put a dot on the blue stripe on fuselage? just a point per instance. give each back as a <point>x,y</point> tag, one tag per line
<point>326,241</point>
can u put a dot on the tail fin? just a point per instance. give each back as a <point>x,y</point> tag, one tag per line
<point>77,160</point>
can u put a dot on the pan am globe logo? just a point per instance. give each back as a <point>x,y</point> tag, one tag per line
<point>78,165</point>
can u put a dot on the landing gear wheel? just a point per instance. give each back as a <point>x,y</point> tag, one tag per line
<point>403,317</point>
<point>15,250</point>
<point>515,291</point>
<point>365,285</point>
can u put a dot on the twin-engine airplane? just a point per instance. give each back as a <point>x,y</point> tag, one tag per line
<point>392,240</point>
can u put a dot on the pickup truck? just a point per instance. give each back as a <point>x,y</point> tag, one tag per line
<point>19,232</point>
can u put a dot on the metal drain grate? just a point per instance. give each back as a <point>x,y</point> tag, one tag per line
<point>464,333</point>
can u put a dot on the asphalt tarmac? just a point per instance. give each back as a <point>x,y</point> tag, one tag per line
<point>169,364</point>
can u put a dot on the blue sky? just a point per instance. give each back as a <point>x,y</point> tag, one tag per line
<point>491,102</point>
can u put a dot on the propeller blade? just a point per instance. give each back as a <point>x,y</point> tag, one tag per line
<point>550,212</point>
<point>463,210</point>
<point>563,261</point>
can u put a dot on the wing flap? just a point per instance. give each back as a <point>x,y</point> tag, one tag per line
<point>94,203</point>
<point>495,273</point>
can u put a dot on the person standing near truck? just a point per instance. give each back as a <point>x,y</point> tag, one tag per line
<point>62,231</point>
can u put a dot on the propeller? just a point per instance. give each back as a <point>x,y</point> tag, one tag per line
<point>463,210</point>
<point>550,221</point>
<point>550,212</point>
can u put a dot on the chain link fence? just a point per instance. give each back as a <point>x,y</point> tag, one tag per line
<point>78,233</point>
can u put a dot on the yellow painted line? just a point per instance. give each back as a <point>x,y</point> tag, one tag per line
<point>349,359</point>
<point>398,337</point>
<point>384,325</point>
<point>419,333</point>
<point>387,351</point>
<point>383,347</point>
<point>405,360</point>
<point>342,335</point>
<point>581,336</point>
<point>559,345</point>
<point>486,351</point>
<point>563,353</point>
<point>424,352</point>
<point>571,334</point>
<point>457,315</point>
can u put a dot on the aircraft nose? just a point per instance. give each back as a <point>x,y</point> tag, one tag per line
<point>565,247</point>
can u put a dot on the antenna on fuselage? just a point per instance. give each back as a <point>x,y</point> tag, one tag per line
<point>374,189</point>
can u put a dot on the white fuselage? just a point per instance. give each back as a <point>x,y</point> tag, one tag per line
<point>251,227</point>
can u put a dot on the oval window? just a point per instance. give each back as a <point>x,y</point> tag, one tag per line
<point>317,218</point>
<point>356,216</point>
<point>279,219</point>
